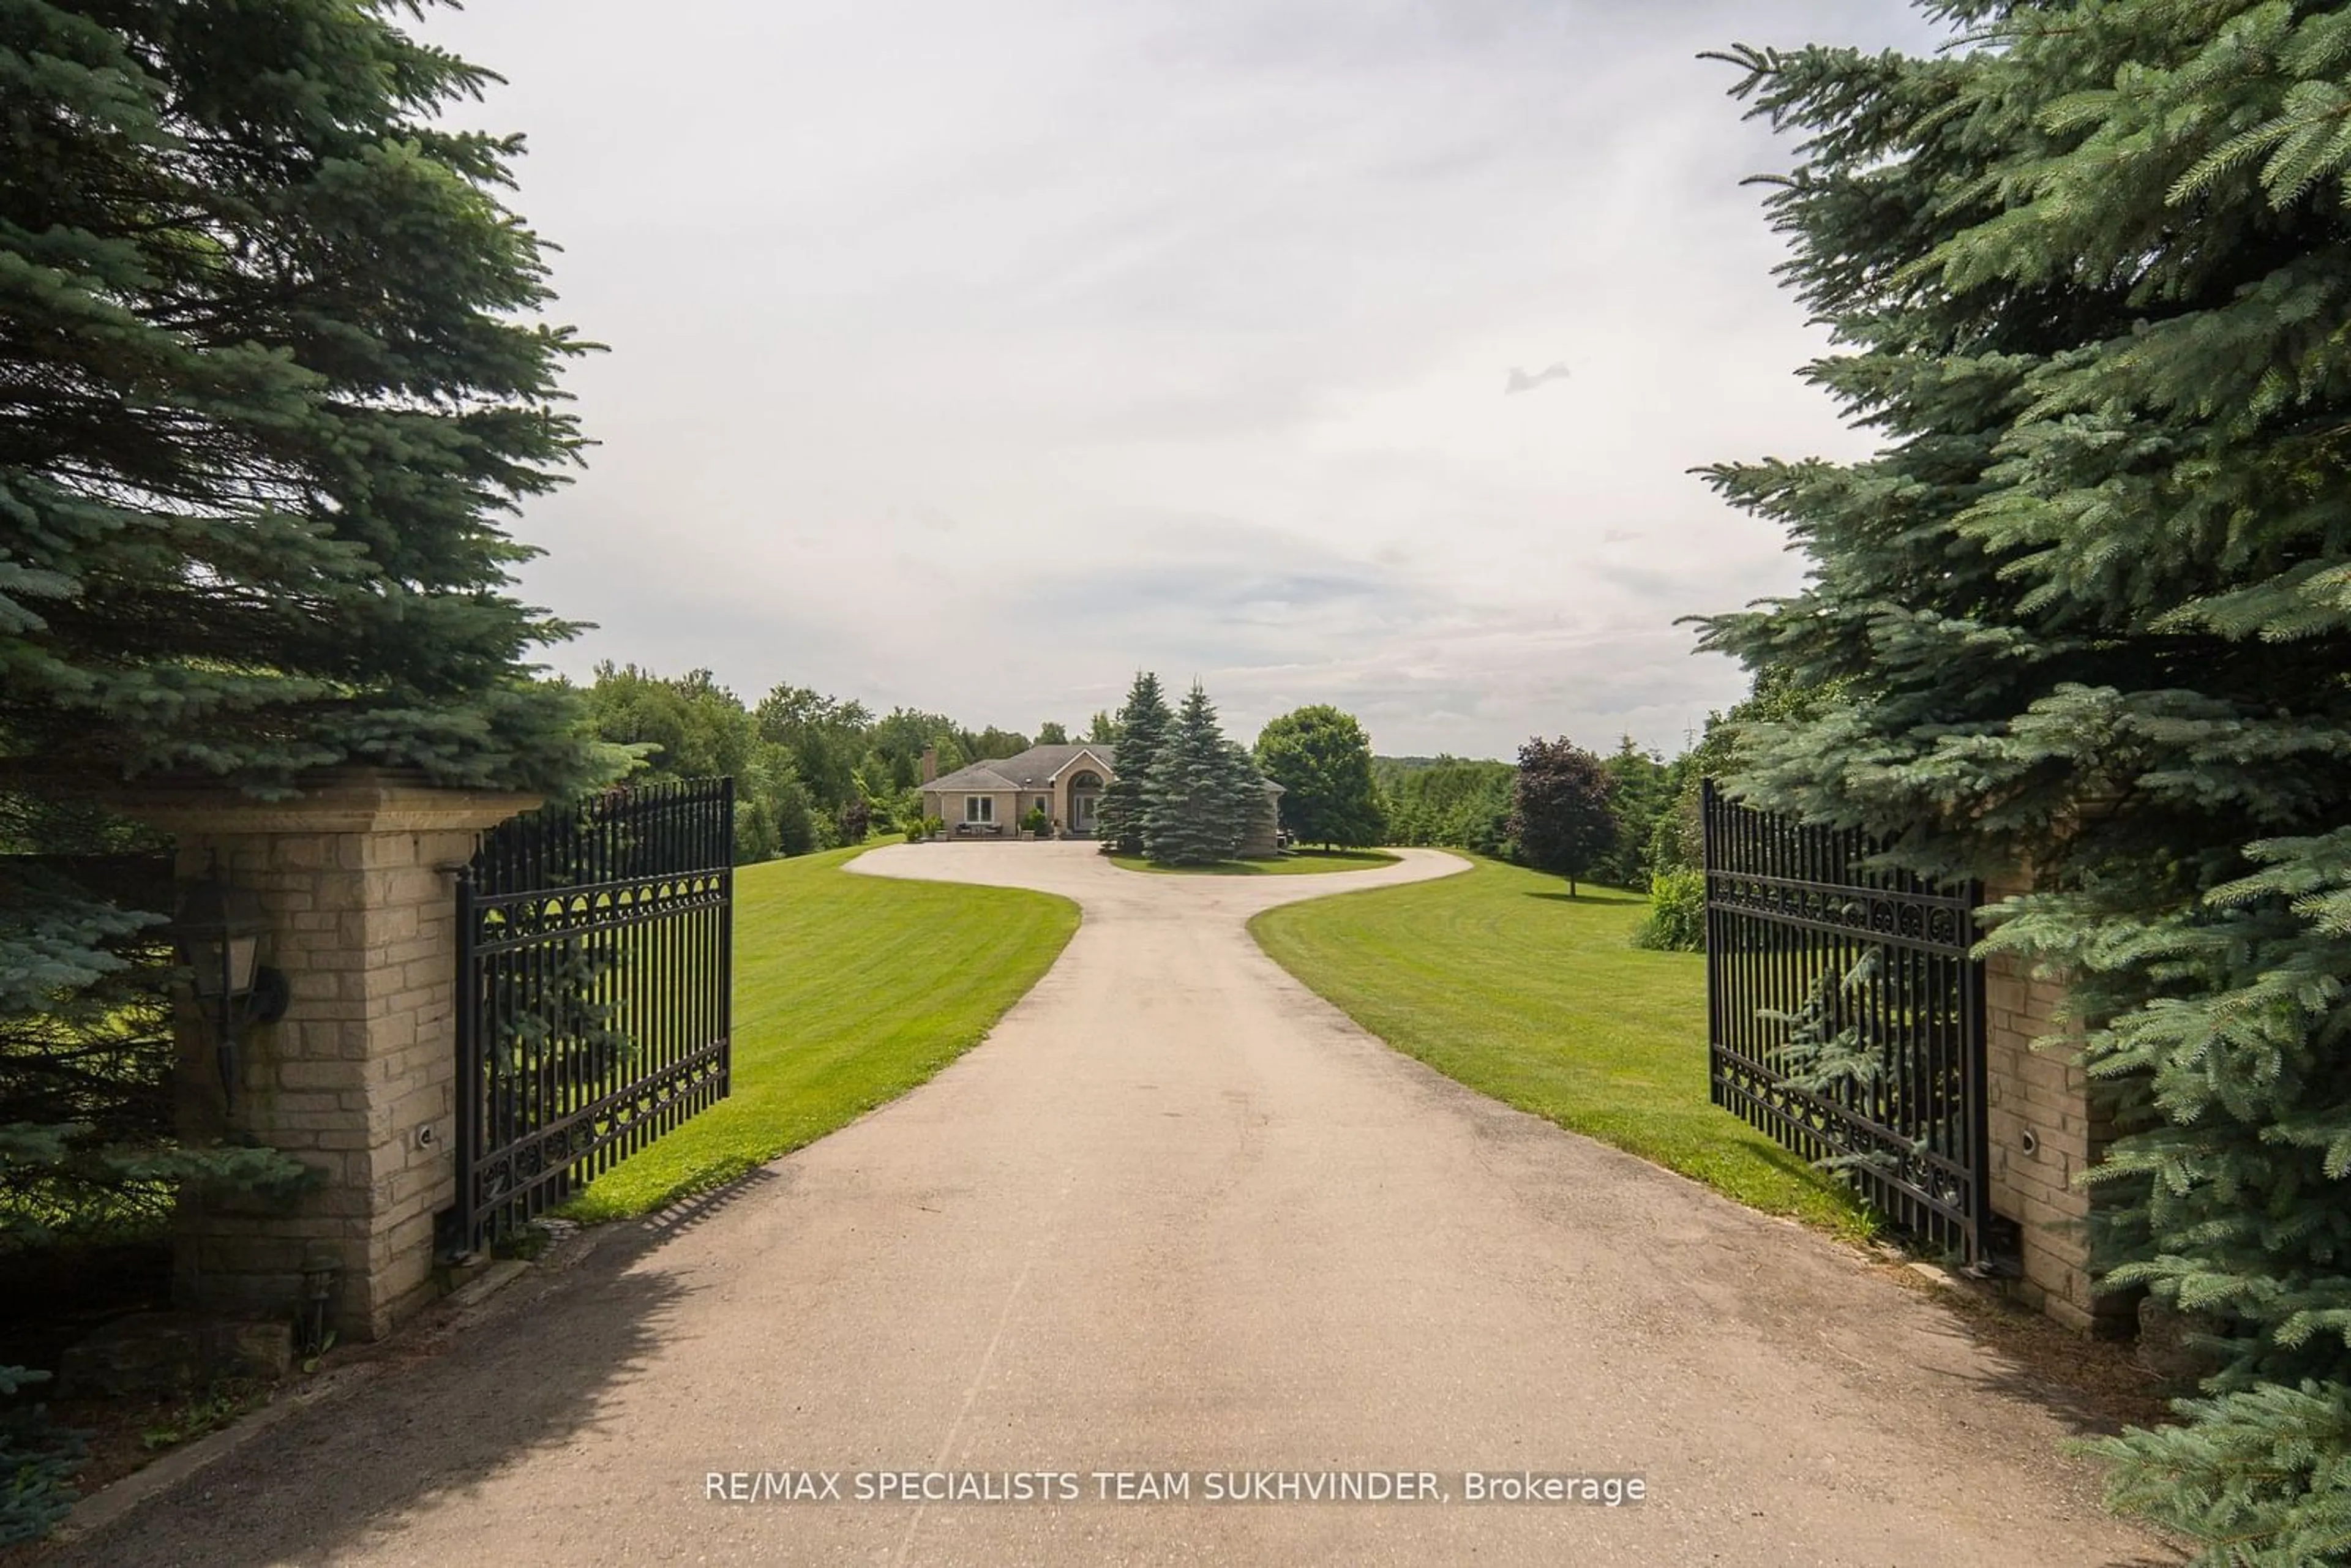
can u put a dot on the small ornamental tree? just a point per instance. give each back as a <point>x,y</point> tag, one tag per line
<point>1195,805</point>
<point>1322,761</point>
<point>1560,811</point>
<point>2089,609</point>
<point>1142,724</point>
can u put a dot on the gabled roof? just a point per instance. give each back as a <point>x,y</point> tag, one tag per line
<point>1035,769</point>
<point>979,776</point>
<point>1105,755</point>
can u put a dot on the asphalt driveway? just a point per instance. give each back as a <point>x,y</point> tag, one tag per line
<point>1175,1222</point>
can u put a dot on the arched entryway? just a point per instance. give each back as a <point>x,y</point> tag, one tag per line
<point>1085,801</point>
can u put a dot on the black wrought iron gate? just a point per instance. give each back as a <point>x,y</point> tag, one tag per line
<point>1844,1016</point>
<point>594,975</point>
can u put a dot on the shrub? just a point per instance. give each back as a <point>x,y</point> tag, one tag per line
<point>1677,922</point>
<point>1035,822</point>
<point>37,1462</point>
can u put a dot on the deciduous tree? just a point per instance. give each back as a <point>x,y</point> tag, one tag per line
<point>1559,809</point>
<point>1322,761</point>
<point>690,727</point>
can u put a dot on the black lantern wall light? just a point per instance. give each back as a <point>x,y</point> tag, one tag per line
<point>218,930</point>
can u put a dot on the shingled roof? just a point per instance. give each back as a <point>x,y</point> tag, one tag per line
<point>1033,769</point>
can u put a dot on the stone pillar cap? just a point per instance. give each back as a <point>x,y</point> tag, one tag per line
<point>331,800</point>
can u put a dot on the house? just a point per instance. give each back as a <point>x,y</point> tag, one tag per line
<point>1067,781</point>
<point>992,797</point>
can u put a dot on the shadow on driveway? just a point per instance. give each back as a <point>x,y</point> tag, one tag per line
<point>460,1404</point>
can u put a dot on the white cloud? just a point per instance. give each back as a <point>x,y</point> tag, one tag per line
<point>971,357</point>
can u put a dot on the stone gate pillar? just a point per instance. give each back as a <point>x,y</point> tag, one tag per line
<point>358,1079</point>
<point>2046,1128</point>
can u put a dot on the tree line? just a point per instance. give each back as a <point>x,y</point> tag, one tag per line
<point>815,771</point>
<point>1628,819</point>
<point>811,770</point>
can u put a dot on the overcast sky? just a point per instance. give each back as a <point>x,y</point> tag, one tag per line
<point>969,358</point>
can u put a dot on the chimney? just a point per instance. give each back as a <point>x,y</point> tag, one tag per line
<point>930,763</point>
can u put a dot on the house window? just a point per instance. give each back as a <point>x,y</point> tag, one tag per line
<point>979,807</point>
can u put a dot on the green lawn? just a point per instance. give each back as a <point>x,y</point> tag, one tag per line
<point>1497,979</point>
<point>1296,862</point>
<point>849,991</point>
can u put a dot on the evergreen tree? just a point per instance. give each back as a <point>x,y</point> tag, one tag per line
<point>2088,609</point>
<point>1322,761</point>
<point>274,367</point>
<point>1195,805</point>
<point>1142,725</point>
<point>1446,801</point>
<point>273,373</point>
<point>1560,808</point>
<point>1638,794</point>
<point>1677,841</point>
<point>1252,805</point>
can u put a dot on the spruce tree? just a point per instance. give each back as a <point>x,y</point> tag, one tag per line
<point>1640,792</point>
<point>1252,805</point>
<point>1193,806</point>
<point>273,369</point>
<point>2088,611</point>
<point>1140,725</point>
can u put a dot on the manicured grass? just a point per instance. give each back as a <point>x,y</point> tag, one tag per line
<point>849,991</point>
<point>1498,979</point>
<point>1296,863</point>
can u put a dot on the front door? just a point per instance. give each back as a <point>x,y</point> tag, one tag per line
<point>1085,801</point>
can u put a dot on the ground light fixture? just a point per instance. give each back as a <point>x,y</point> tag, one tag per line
<point>320,1271</point>
<point>218,931</point>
